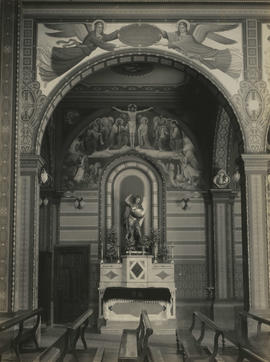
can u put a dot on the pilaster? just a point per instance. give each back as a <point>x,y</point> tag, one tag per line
<point>225,306</point>
<point>223,242</point>
<point>8,143</point>
<point>256,166</point>
<point>27,248</point>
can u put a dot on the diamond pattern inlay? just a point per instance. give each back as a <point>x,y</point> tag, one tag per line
<point>137,269</point>
<point>111,275</point>
<point>162,275</point>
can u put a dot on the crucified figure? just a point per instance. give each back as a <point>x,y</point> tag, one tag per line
<point>132,115</point>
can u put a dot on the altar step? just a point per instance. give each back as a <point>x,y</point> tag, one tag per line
<point>167,327</point>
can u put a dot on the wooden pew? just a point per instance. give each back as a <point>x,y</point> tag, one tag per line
<point>252,349</point>
<point>134,342</point>
<point>66,343</point>
<point>76,330</point>
<point>57,351</point>
<point>10,338</point>
<point>191,347</point>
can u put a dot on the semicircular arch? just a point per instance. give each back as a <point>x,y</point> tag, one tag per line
<point>127,56</point>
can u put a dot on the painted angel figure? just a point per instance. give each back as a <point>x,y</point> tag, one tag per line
<point>70,52</point>
<point>189,38</point>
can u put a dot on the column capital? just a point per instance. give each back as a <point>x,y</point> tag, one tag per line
<point>223,194</point>
<point>256,162</point>
<point>30,162</point>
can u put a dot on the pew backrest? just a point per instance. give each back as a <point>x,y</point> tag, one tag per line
<point>57,351</point>
<point>144,331</point>
<point>260,320</point>
<point>205,322</point>
<point>77,329</point>
<point>23,334</point>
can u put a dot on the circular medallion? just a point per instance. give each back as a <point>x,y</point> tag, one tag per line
<point>139,35</point>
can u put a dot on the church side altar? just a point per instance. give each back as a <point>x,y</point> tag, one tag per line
<point>135,284</point>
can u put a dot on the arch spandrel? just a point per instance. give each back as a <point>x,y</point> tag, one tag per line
<point>159,46</point>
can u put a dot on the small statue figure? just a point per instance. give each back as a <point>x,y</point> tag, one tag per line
<point>133,219</point>
<point>221,180</point>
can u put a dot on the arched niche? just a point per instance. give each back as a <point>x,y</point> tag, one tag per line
<point>131,174</point>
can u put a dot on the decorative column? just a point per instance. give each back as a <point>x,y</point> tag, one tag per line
<point>28,239</point>
<point>8,151</point>
<point>223,242</point>
<point>222,217</point>
<point>256,166</point>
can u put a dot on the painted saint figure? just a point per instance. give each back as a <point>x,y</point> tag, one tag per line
<point>189,38</point>
<point>71,52</point>
<point>133,220</point>
<point>132,116</point>
<point>143,139</point>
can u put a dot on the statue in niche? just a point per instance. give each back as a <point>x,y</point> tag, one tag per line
<point>133,220</point>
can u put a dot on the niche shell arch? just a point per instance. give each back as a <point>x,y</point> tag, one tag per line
<point>110,191</point>
<point>120,57</point>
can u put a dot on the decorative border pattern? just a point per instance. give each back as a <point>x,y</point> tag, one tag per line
<point>222,132</point>
<point>252,71</point>
<point>7,154</point>
<point>252,101</point>
<point>31,97</point>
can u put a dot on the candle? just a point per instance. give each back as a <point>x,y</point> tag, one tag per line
<point>101,253</point>
<point>118,253</point>
<point>172,246</point>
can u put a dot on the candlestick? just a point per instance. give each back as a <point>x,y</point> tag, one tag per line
<point>101,253</point>
<point>155,253</point>
<point>118,253</point>
<point>172,261</point>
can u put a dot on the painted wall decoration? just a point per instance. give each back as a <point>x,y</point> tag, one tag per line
<point>188,39</point>
<point>62,46</point>
<point>68,53</point>
<point>143,131</point>
<point>266,52</point>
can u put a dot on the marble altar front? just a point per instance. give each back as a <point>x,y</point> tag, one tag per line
<point>135,284</point>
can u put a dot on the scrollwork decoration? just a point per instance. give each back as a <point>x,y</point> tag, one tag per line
<point>32,101</point>
<point>252,101</point>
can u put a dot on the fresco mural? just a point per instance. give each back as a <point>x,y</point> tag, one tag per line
<point>62,46</point>
<point>146,132</point>
<point>188,39</point>
<point>83,39</point>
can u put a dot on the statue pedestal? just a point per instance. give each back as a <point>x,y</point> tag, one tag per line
<point>135,284</point>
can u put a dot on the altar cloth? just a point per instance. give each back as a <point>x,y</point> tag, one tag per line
<point>158,294</point>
